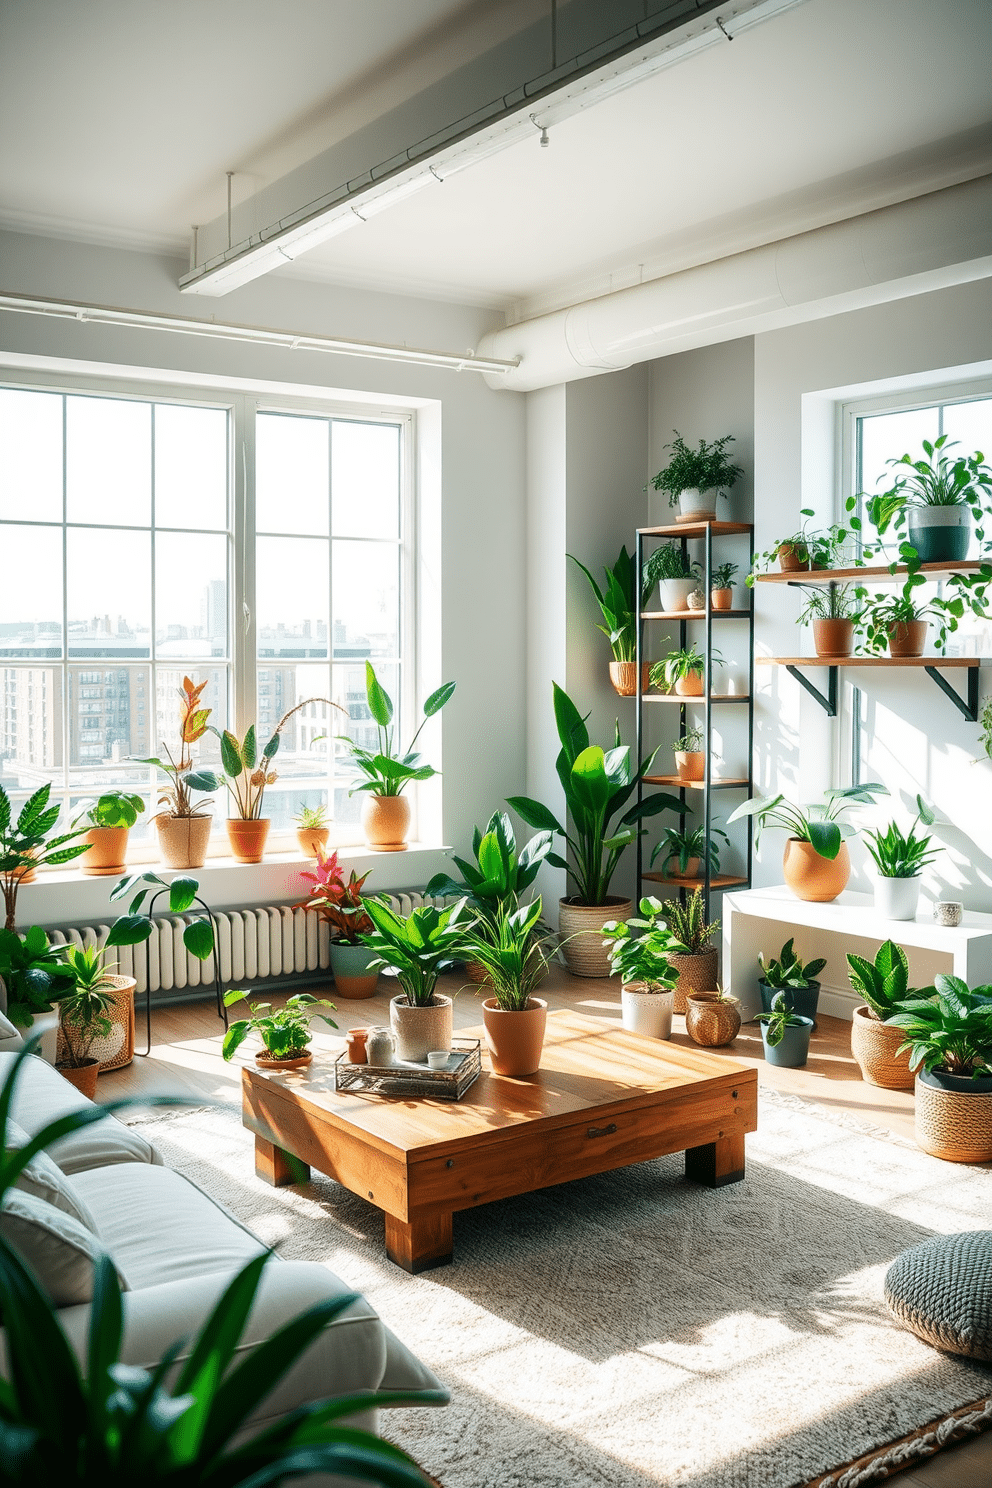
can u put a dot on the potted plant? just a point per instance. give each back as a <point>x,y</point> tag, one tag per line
<point>183,826</point>
<point>285,1032</point>
<point>618,604</point>
<point>949,1038</point>
<point>834,614</point>
<point>900,861</point>
<point>511,953</point>
<point>135,927</point>
<point>25,845</point>
<point>817,548</point>
<point>712,1019</point>
<point>386,811</point>
<point>35,979</point>
<point>312,830</point>
<point>933,500</point>
<point>690,755</point>
<point>88,966</point>
<point>640,950</point>
<point>816,864</point>
<point>682,671</point>
<point>683,850</point>
<point>342,907</point>
<point>694,478</point>
<point>789,976</point>
<point>784,1034</point>
<point>418,949</point>
<point>884,985</point>
<point>83,1017</point>
<point>721,586</point>
<point>676,575</point>
<point>696,961</point>
<point>109,819</point>
<point>598,787</point>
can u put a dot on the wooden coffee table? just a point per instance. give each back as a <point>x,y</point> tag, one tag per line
<point>602,1099</point>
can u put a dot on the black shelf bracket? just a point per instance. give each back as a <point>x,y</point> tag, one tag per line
<point>968,706</point>
<point>828,703</point>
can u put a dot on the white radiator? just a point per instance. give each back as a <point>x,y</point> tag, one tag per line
<point>259,944</point>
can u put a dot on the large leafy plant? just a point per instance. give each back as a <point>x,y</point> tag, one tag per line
<point>181,1423</point>
<point>176,798</point>
<point>618,603</point>
<point>511,952</point>
<point>419,947</point>
<point>339,903</point>
<point>494,883</point>
<point>248,769</point>
<point>816,824</point>
<point>933,480</point>
<point>387,771</point>
<point>25,844</point>
<point>34,976</point>
<point>884,983</point>
<point>641,946</point>
<point>707,468</point>
<point>788,969</point>
<point>598,784</point>
<point>284,1031</point>
<point>950,1032</point>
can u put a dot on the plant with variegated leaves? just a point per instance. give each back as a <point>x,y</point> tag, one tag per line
<point>177,797</point>
<point>337,902</point>
<point>247,770</point>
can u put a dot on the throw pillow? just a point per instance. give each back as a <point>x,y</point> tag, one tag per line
<point>58,1249</point>
<point>46,1180</point>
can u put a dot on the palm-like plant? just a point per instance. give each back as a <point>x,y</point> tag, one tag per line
<point>494,883</point>
<point>83,1010</point>
<point>618,604</point>
<point>26,845</point>
<point>418,948</point>
<point>511,953</point>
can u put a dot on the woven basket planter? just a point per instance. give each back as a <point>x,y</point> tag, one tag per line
<point>710,1021</point>
<point>696,974</point>
<point>954,1117</point>
<point>874,1046</point>
<point>117,1049</point>
<point>581,930</point>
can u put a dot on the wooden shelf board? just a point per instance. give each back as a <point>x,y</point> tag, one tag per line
<point>724,781</point>
<point>696,529</point>
<point>718,881</point>
<point>875,574</point>
<point>677,697</point>
<point>694,614</point>
<point>870,661</point>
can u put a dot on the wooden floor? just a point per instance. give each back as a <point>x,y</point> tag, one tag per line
<point>186,1061</point>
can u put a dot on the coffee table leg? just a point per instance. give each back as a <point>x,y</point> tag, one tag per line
<point>420,1245</point>
<point>278,1167</point>
<point>717,1163</point>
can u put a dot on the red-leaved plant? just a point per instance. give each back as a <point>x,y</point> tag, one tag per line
<point>337,902</point>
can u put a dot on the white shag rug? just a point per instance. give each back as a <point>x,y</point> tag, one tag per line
<point>634,1330</point>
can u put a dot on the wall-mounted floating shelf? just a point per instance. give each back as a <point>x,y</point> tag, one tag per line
<point>682,699</point>
<point>932,665</point>
<point>815,578</point>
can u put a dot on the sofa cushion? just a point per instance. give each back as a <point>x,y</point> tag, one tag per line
<point>45,1180</point>
<point>7,1029</point>
<point>59,1250</point>
<point>42,1096</point>
<point>159,1227</point>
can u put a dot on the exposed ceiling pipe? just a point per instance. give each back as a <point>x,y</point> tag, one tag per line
<point>927,243</point>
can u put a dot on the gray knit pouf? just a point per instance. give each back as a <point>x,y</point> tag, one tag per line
<point>942,1291</point>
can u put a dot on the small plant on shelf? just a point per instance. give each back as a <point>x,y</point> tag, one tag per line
<point>691,742</point>
<point>285,1032</point>
<point>722,576</point>
<point>818,548</point>
<point>687,850</point>
<point>903,856</point>
<point>686,667</point>
<point>176,798</point>
<point>675,573</point>
<point>898,624</point>
<point>640,948</point>
<point>788,970</point>
<point>834,615</point>
<point>923,485</point>
<point>115,808</point>
<point>708,468</point>
<point>311,818</point>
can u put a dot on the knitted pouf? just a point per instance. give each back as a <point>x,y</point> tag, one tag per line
<point>942,1291</point>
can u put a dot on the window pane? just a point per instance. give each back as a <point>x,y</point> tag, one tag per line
<point>108,461</point>
<point>366,599</point>
<point>30,455</point>
<point>109,592</point>
<point>291,597</point>
<point>971,425</point>
<point>302,767</point>
<point>349,691</point>
<point>31,724</point>
<point>886,436</point>
<point>31,591</point>
<point>190,466</point>
<point>190,595</point>
<point>291,463</point>
<point>110,718</point>
<point>365,466</point>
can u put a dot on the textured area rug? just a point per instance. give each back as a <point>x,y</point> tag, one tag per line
<point>633,1330</point>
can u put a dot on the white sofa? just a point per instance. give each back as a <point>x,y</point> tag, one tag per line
<point>177,1250</point>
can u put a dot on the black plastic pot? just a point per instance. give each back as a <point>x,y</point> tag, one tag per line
<point>801,1000</point>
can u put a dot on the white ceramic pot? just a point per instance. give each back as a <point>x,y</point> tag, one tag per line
<point>673,594</point>
<point>696,505</point>
<point>418,1030</point>
<point>897,898</point>
<point>647,1013</point>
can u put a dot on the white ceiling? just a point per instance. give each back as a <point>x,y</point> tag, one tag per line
<point>126,116</point>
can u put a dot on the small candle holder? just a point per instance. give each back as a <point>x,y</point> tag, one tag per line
<point>948,912</point>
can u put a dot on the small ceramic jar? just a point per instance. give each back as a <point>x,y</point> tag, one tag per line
<point>948,912</point>
<point>379,1047</point>
<point>355,1045</point>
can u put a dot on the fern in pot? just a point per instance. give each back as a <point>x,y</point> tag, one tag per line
<point>676,575</point>
<point>900,859</point>
<point>694,478</point>
<point>640,951</point>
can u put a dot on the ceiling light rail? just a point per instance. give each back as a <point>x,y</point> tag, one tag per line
<point>256,335</point>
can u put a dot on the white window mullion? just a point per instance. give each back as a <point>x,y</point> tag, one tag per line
<point>244,627</point>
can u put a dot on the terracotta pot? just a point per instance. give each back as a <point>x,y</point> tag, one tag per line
<point>580,926</point>
<point>29,875</point>
<point>810,877</point>
<point>722,599</point>
<point>183,839</point>
<point>954,1117</point>
<point>350,968</point>
<point>247,838</point>
<point>310,838</point>
<point>833,637</point>
<point>908,639</point>
<point>623,675</point>
<point>711,1021</point>
<point>83,1076</point>
<point>385,822</point>
<point>116,1051</point>
<point>791,559</point>
<point>355,1045</point>
<point>515,1040</point>
<point>691,686</point>
<point>874,1046</point>
<point>265,1060</point>
<point>692,867</point>
<point>645,1012</point>
<point>106,853</point>
<point>696,974</point>
<point>418,1030</point>
<point>690,764</point>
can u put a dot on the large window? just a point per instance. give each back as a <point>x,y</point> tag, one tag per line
<point>135,550</point>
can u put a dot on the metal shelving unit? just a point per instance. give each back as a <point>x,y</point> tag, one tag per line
<point>684,533</point>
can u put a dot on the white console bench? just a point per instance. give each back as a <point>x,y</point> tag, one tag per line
<point>764,919</point>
